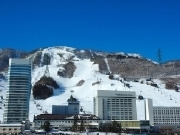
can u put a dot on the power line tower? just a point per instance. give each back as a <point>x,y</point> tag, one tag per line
<point>159,55</point>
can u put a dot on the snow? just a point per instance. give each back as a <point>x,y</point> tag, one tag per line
<point>87,71</point>
<point>3,87</point>
<point>129,54</point>
<point>134,55</point>
<point>84,133</point>
<point>106,61</point>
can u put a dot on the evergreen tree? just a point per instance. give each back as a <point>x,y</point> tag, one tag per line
<point>75,125</point>
<point>115,127</point>
<point>82,126</point>
<point>46,126</point>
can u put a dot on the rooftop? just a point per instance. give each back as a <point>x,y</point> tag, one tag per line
<point>65,117</point>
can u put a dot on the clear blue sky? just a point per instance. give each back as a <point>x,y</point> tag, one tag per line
<point>130,26</point>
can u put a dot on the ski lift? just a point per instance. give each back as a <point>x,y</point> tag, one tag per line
<point>81,110</point>
<point>170,97</point>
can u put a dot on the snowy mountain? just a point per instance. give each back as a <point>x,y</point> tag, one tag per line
<point>86,71</point>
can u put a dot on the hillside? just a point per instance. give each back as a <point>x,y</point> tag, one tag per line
<point>69,66</point>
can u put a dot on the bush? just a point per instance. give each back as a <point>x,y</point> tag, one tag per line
<point>80,83</point>
<point>176,88</point>
<point>154,85</point>
<point>111,76</point>
<point>172,85</point>
<point>44,88</point>
<point>140,97</point>
<point>42,91</point>
<point>98,82</point>
<point>127,85</point>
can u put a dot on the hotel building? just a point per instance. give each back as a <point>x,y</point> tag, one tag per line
<point>18,91</point>
<point>115,105</point>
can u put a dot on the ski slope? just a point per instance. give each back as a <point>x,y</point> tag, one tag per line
<point>87,71</point>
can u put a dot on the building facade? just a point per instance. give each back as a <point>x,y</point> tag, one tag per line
<point>149,110</point>
<point>115,105</point>
<point>130,125</point>
<point>161,115</point>
<point>71,108</point>
<point>65,122</point>
<point>7,129</point>
<point>166,115</point>
<point>18,91</point>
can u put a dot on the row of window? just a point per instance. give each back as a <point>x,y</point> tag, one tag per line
<point>117,99</point>
<point>9,129</point>
<point>120,117</point>
<point>167,119</point>
<point>166,116</point>
<point>166,111</point>
<point>85,121</point>
<point>165,123</point>
<point>123,101</point>
<point>120,104</point>
<point>120,109</point>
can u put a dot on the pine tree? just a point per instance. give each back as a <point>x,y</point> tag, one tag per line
<point>116,127</point>
<point>75,125</point>
<point>46,126</point>
<point>82,125</point>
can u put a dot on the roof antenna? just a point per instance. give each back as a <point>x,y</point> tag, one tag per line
<point>72,91</point>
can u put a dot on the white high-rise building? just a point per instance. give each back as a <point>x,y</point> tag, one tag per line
<point>115,105</point>
<point>18,91</point>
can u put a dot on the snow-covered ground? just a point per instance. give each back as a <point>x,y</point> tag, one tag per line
<point>87,71</point>
<point>84,133</point>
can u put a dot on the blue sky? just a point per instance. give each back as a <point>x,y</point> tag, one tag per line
<point>130,26</point>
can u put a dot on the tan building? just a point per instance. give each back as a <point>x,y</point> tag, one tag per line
<point>132,124</point>
<point>7,129</point>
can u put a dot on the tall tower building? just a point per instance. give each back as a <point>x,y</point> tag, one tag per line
<point>115,105</point>
<point>18,91</point>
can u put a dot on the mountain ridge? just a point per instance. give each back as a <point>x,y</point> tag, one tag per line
<point>128,73</point>
<point>97,56</point>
